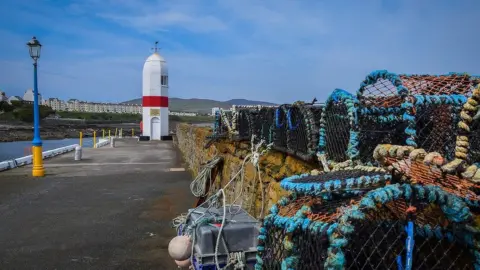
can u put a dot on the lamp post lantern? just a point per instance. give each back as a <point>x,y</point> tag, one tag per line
<point>35,47</point>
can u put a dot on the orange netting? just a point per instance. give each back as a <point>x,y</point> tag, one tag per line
<point>321,210</point>
<point>439,85</point>
<point>419,172</point>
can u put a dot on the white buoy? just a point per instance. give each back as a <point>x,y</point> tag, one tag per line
<point>180,248</point>
<point>185,263</point>
<point>78,152</point>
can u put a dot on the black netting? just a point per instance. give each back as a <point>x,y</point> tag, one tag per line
<point>243,124</point>
<point>374,131</point>
<point>336,175</point>
<point>437,128</point>
<point>303,132</point>
<point>312,247</point>
<point>337,131</point>
<point>380,238</point>
<point>474,140</point>
<point>375,244</point>
<point>265,122</point>
<point>274,249</point>
<point>297,137</point>
<point>280,128</point>
<point>443,253</point>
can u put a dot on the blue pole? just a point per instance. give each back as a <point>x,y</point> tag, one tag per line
<point>37,141</point>
<point>37,155</point>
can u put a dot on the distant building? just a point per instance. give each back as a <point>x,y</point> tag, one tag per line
<point>28,97</point>
<point>14,98</point>
<point>183,113</point>
<point>215,110</point>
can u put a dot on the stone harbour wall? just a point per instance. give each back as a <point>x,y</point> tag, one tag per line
<point>274,166</point>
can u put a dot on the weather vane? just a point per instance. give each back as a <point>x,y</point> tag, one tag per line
<point>155,48</point>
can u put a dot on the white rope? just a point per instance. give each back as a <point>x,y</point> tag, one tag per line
<point>179,221</point>
<point>199,185</point>
<point>323,160</point>
<point>199,182</point>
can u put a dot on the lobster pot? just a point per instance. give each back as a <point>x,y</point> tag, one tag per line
<point>265,123</point>
<point>280,128</point>
<point>337,131</point>
<point>436,127</point>
<point>243,124</point>
<point>303,130</point>
<point>308,244</point>
<point>438,101</point>
<point>239,235</point>
<point>380,118</point>
<point>377,238</point>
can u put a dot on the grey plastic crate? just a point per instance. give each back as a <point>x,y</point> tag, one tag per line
<point>240,234</point>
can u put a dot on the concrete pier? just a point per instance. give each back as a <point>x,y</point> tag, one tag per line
<point>111,210</point>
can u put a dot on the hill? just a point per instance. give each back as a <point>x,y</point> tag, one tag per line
<point>202,105</point>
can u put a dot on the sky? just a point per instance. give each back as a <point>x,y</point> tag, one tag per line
<point>270,50</point>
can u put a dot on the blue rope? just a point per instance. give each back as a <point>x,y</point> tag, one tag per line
<point>410,243</point>
<point>277,118</point>
<point>349,185</point>
<point>289,119</point>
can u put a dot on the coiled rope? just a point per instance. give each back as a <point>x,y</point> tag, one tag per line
<point>199,184</point>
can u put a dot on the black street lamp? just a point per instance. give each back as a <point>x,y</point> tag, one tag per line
<point>35,47</point>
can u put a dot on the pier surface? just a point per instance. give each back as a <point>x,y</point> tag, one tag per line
<point>111,210</point>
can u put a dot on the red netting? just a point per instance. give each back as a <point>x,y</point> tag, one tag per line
<point>419,172</point>
<point>321,210</point>
<point>439,85</point>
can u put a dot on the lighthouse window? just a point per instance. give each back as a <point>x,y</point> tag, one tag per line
<point>164,79</point>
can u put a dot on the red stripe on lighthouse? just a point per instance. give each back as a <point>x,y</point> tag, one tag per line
<point>155,101</point>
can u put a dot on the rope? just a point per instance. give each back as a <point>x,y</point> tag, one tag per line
<point>198,185</point>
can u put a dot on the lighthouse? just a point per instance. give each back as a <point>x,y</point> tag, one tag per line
<point>155,97</point>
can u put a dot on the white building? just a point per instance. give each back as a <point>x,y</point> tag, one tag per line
<point>215,109</point>
<point>14,98</point>
<point>28,96</point>
<point>155,97</point>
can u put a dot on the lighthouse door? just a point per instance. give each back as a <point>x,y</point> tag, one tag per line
<point>155,129</point>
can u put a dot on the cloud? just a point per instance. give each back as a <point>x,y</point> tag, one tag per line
<point>278,51</point>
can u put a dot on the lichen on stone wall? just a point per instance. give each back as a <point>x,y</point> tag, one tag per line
<point>274,166</point>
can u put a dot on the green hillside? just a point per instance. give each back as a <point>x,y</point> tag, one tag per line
<point>202,105</point>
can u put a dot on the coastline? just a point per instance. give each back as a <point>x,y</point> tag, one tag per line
<point>13,132</point>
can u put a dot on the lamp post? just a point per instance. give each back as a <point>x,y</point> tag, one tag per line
<point>35,47</point>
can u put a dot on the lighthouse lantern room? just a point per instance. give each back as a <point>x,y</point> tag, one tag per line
<point>155,97</point>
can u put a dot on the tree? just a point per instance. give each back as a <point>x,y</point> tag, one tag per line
<point>5,106</point>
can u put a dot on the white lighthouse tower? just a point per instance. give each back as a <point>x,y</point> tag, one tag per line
<point>155,97</point>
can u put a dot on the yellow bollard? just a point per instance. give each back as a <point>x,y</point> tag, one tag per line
<point>81,137</point>
<point>94,139</point>
<point>133,133</point>
<point>103,133</point>
<point>37,158</point>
